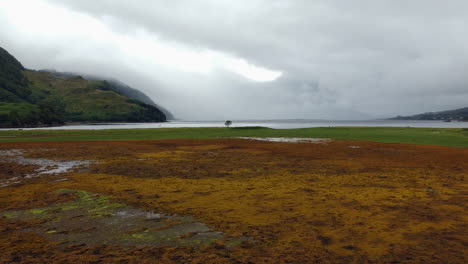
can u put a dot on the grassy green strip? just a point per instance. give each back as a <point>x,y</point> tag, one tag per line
<point>427,136</point>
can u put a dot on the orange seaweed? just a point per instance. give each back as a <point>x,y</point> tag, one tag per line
<point>338,202</point>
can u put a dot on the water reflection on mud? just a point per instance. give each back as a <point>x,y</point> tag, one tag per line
<point>290,140</point>
<point>44,166</point>
<point>97,220</point>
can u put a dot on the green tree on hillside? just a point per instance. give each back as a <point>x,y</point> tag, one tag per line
<point>23,119</point>
<point>52,111</point>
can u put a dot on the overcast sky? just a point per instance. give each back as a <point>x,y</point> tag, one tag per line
<point>252,59</point>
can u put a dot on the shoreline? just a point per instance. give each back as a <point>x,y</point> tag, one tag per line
<point>452,137</point>
<point>79,123</point>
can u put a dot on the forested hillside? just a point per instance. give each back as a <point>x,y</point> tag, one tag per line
<point>32,98</point>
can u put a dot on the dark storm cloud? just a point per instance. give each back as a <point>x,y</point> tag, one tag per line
<point>338,59</point>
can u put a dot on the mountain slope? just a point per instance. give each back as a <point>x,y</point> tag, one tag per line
<point>457,114</point>
<point>13,85</point>
<point>15,92</point>
<point>87,100</point>
<point>30,98</point>
<point>117,86</point>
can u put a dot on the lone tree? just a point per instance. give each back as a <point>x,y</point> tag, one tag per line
<point>228,123</point>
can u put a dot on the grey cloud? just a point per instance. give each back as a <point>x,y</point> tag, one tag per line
<point>340,59</point>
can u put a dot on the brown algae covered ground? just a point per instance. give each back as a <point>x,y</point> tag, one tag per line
<point>233,201</point>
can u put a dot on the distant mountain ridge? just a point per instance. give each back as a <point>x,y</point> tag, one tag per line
<point>36,98</point>
<point>457,114</point>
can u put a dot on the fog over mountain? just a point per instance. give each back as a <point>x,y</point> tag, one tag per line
<point>219,59</point>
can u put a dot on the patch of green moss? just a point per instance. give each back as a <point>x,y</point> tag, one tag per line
<point>139,235</point>
<point>10,214</point>
<point>38,211</point>
<point>96,205</point>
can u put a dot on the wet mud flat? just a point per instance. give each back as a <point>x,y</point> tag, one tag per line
<point>233,201</point>
<point>95,220</point>
<point>41,166</point>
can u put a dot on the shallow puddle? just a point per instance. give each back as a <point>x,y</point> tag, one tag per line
<point>45,166</point>
<point>290,140</point>
<point>95,220</point>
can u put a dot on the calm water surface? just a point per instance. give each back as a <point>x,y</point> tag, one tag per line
<point>278,124</point>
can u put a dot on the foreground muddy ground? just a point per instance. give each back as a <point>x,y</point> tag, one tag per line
<point>232,201</point>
